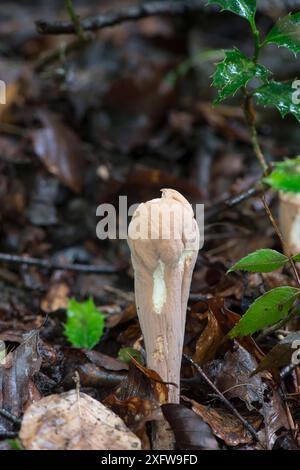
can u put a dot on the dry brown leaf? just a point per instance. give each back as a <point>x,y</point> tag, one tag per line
<point>57,297</point>
<point>73,421</point>
<point>16,372</point>
<point>59,149</point>
<point>225,425</point>
<point>209,340</point>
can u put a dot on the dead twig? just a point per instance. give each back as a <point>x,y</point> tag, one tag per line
<point>112,18</point>
<point>60,53</point>
<point>226,402</point>
<point>48,264</point>
<point>8,434</point>
<point>255,190</point>
<point>10,417</point>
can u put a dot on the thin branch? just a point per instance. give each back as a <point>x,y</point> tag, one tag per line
<point>255,190</point>
<point>10,417</point>
<point>226,402</point>
<point>250,118</point>
<point>48,264</point>
<point>8,435</point>
<point>61,52</point>
<point>112,18</point>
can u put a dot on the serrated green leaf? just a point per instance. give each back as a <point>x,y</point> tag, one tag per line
<point>286,33</point>
<point>85,324</point>
<point>265,311</point>
<point>280,95</point>
<point>125,355</point>
<point>234,72</point>
<point>261,261</point>
<point>285,176</point>
<point>244,8</point>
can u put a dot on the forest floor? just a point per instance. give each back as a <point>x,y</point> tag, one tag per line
<point>128,113</point>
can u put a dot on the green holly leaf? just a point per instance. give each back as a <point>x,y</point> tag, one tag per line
<point>244,8</point>
<point>265,311</point>
<point>261,261</point>
<point>85,324</point>
<point>286,33</point>
<point>285,176</point>
<point>281,95</point>
<point>234,72</point>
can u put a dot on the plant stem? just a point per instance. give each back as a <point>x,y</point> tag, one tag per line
<point>250,118</point>
<point>279,234</point>
<point>75,19</point>
<point>257,45</point>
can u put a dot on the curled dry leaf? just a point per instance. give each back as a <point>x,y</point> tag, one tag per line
<point>74,421</point>
<point>16,372</point>
<point>59,149</point>
<point>209,340</point>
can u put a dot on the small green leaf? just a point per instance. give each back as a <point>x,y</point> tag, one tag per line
<point>244,8</point>
<point>280,95</point>
<point>285,176</point>
<point>266,310</point>
<point>85,324</point>
<point>297,258</point>
<point>261,261</point>
<point>286,33</point>
<point>234,72</point>
<point>15,444</point>
<point>125,355</point>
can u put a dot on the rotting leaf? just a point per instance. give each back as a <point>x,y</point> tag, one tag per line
<point>16,372</point>
<point>59,149</point>
<point>208,341</point>
<point>159,388</point>
<point>234,380</point>
<point>191,432</point>
<point>74,421</point>
<point>225,425</point>
<point>281,354</point>
<point>226,320</point>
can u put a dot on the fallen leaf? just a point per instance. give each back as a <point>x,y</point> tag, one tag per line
<point>16,372</point>
<point>74,421</point>
<point>209,340</point>
<point>59,149</point>
<point>56,298</point>
<point>191,432</point>
<point>281,354</point>
<point>225,425</point>
<point>159,388</point>
<point>258,393</point>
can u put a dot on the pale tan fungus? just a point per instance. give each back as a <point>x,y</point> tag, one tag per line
<point>164,241</point>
